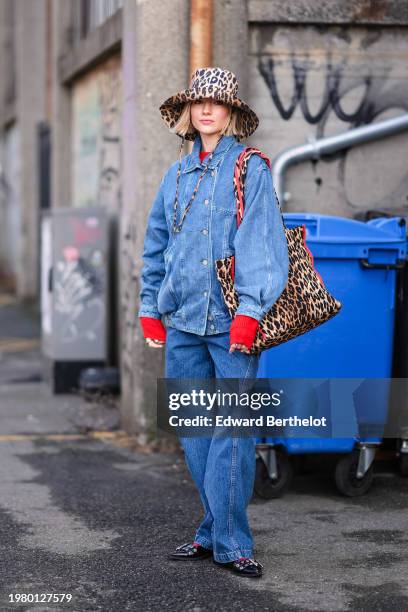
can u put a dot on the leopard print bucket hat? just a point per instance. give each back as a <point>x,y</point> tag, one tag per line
<point>211,82</point>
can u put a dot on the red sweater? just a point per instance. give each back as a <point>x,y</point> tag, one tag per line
<point>242,331</point>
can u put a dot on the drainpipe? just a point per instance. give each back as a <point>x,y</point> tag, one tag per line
<point>315,148</point>
<point>201,37</point>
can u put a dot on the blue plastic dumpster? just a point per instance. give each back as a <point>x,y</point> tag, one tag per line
<point>358,262</point>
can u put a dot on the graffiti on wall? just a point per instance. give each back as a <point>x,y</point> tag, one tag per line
<point>78,300</point>
<point>324,81</point>
<point>334,90</point>
<point>96,141</point>
<point>79,281</point>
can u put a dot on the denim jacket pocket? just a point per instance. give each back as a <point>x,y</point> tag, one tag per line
<point>224,222</point>
<point>169,295</point>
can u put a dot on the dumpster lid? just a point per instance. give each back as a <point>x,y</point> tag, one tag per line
<point>334,229</point>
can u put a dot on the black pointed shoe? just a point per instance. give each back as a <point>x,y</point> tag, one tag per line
<point>189,551</point>
<point>244,567</point>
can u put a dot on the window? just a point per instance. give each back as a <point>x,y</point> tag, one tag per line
<point>92,14</point>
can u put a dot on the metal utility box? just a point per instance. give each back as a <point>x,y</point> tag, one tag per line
<point>74,292</point>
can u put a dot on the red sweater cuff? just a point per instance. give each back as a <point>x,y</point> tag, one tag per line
<point>153,328</point>
<point>243,330</point>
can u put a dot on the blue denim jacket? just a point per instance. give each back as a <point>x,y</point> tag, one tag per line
<point>178,280</point>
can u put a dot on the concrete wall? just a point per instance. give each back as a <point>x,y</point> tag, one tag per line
<point>30,20</point>
<point>155,61</point>
<point>10,202</point>
<point>7,60</point>
<point>311,81</point>
<point>61,106</point>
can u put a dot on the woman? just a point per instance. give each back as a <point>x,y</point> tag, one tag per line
<point>192,223</point>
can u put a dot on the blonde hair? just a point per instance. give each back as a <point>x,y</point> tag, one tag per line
<point>184,126</point>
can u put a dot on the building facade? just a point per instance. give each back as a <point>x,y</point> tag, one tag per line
<point>81,83</point>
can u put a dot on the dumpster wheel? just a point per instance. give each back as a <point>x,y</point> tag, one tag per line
<point>346,476</point>
<point>270,488</point>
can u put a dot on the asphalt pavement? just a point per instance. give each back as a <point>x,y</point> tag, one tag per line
<point>85,513</point>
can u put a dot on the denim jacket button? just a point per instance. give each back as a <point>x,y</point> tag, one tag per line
<point>206,201</point>
<point>204,262</point>
<point>205,293</point>
<point>205,232</point>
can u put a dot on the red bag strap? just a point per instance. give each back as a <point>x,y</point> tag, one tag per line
<point>240,171</point>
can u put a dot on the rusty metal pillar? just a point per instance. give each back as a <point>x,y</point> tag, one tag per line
<point>201,33</point>
<point>201,37</point>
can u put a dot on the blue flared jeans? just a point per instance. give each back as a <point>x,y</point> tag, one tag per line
<point>223,468</point>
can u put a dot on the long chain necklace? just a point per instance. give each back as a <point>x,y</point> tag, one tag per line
<point>177,227</point>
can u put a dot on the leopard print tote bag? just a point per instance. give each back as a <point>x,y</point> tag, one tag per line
<point>304,304</point>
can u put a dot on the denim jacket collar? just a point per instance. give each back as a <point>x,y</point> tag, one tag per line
<point>194,161</point>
